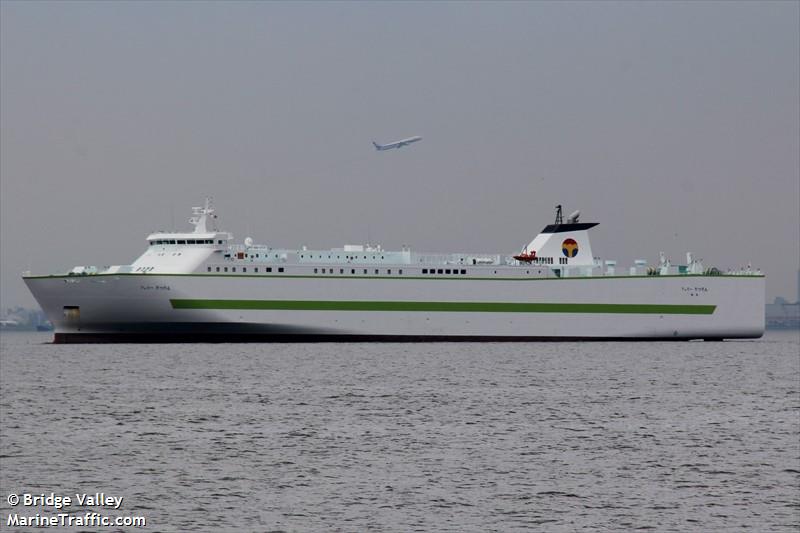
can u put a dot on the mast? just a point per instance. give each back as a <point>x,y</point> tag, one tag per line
<point>203,218</point>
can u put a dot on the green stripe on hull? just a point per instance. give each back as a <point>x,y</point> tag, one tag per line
<point>450,307</point>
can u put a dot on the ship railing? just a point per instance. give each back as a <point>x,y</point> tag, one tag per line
<point>457,259</point>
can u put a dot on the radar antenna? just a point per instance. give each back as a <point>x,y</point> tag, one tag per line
<point>559,216</point>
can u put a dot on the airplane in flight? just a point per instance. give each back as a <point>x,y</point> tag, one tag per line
<point>396,144</point>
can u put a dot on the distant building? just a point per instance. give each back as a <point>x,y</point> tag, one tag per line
<point>782,314</point>
<point>21,319</point>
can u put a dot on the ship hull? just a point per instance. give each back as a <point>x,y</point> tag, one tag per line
<point>244,308</point>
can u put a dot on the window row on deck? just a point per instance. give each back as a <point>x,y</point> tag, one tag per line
<point>156,242</point>
<point>344,271</point>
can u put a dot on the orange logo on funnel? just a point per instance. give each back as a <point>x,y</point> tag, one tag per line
<point>569,248</point>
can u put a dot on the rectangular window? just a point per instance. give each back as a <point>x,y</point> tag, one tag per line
<point>341,271</point>
<point>389,271</point>
<point>315,271</point>
<point>424,270</point>
<point>352,270</point>
<point>280,269</point>
<point>209,269</point>
<point>269,269</point>
<point>447,271</point>
<point>226,269</point>
<point>463,271</point>
<point>256,270</point>
<point>217,269</point>
<point>376,271</point>
<point>365,271</point>
<point>181,242</point>
<point>400,271</point>
<point>233,269</point>
<point>244,269</point>
<point>440,271</point>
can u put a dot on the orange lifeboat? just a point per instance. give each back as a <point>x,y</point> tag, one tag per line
<point>526,257</point>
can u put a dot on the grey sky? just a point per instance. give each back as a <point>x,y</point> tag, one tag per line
<point>674,125</point>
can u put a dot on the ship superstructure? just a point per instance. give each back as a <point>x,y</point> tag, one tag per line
<point>202,286</point>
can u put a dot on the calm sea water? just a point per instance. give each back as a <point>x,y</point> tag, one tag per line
<point>410,437</point>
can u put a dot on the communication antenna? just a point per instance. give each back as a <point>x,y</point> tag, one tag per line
<point>559,216</point>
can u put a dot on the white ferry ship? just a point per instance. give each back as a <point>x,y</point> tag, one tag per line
<point>200,286</point>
